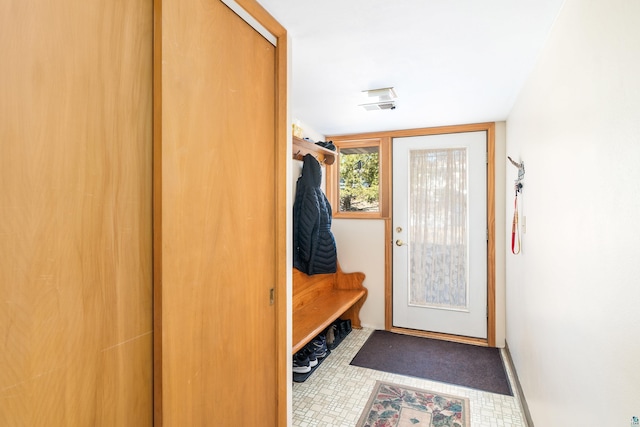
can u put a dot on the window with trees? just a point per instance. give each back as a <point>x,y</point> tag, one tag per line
<point>359,189</point>
<point>356,187</point>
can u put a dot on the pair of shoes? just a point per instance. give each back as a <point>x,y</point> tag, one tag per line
<point>331,335</point>
<point>345,327</point>
<point>341,328</point>
<point>301,364</point>
<point>304,360</point>
<point>309,352</point>
<point>319,346</point>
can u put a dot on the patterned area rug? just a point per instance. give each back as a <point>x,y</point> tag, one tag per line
<point>393,405</point>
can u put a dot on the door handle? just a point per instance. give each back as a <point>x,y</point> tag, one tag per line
<point>400,243</point>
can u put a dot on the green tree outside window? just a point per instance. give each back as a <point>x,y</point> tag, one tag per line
<point>359,180</point>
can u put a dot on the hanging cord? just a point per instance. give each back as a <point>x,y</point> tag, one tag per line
<point>515,228</point>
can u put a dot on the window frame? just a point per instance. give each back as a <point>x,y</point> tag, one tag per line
<point>383,145</point>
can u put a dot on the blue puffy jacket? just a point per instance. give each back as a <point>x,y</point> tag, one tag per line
<point>314,248</point>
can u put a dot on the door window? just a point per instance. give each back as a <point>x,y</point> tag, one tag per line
<point>438,209</point>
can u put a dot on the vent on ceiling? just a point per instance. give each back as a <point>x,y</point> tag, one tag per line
<point>385,99</point>
<point>389,105</point>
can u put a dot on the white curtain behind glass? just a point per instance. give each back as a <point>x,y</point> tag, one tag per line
<point>438,228</point>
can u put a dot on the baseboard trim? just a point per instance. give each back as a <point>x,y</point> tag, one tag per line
<point>518,387</point>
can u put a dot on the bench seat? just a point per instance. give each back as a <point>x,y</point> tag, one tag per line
<point>320,299</point>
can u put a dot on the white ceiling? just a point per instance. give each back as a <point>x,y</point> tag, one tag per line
<point>450,61</point>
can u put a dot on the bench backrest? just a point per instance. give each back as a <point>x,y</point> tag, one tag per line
<point>307,288</point>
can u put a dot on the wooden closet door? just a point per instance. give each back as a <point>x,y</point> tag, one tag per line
<point>75,213</point>
<point>220,220</point>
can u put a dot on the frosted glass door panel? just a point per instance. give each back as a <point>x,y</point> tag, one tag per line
<point>438,209</point>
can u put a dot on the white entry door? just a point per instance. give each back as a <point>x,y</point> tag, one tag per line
<point>440,233</point>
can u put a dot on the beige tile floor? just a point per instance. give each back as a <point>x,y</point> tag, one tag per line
<point>336,393</point>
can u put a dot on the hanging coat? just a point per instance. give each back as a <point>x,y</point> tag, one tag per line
<point>314,247</point>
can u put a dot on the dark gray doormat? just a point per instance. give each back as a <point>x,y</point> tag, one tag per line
<point>454,363</point>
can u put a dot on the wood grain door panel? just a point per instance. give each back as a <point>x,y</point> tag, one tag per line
<point>75,203</point>
<point>219,342</point>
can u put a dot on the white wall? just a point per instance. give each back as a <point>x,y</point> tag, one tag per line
<point>308,131</point>
<point>573,294</point>
<point>500,232</point>
<point>361,248</point>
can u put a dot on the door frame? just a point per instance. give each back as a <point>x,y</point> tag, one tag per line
<point>490,341</point>
<point>470,320</point>
<point>386,139</point>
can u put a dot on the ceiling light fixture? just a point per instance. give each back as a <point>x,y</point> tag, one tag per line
<point>385,99</point>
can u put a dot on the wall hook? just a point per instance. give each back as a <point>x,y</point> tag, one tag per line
<point>518,182</point>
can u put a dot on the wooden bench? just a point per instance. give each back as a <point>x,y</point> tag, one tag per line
<point>320,299</point>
